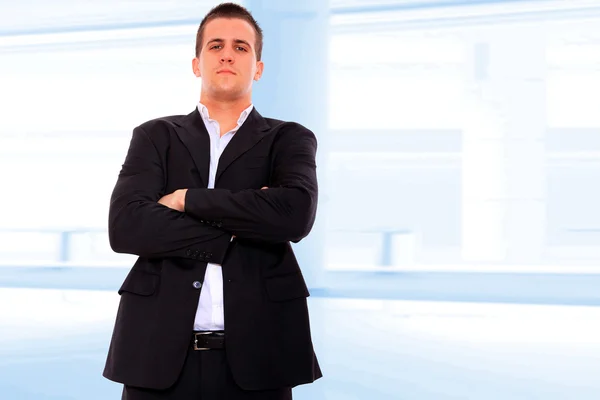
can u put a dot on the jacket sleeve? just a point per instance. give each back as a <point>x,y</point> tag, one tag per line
<point>139,225</point>
<point>284,212</point>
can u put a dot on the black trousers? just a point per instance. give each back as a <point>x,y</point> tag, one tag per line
<point>205,376</point>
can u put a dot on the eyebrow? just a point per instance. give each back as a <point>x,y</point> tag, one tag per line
<point>236,41</point>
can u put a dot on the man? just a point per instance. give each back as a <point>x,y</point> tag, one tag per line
<point>215,306</point>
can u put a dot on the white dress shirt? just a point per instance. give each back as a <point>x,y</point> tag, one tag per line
<point>209,315</point>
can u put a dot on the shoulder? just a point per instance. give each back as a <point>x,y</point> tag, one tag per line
<point>159,130</point>
<point>161,123</point>
<point>279,125</point>
<point>288,129</point>
<point>292,137</point>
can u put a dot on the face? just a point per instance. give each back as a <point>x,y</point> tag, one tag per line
<point>227,62</point>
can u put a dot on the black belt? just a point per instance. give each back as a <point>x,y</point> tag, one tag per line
<point>209,340</point>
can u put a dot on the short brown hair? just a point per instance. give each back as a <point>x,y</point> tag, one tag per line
<point>230,10</point>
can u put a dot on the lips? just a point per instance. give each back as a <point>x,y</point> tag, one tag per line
<point>225,71</point>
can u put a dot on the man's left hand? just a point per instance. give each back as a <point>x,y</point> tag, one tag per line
<point>175,200</point>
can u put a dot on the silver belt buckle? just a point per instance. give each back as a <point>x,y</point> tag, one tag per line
<point>196,340</point>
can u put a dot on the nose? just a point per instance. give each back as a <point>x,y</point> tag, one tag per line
<point>227,57</point>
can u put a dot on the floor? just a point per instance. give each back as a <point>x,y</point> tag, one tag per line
<point>53,343</point>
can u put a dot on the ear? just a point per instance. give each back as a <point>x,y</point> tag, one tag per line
<point>196,67</point>
<point>260,66</point>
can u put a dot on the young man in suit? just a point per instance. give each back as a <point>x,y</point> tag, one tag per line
<point>215,306</point>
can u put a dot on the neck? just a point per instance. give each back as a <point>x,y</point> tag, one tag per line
<point>225,109</point>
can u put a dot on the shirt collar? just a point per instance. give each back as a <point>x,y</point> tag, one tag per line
<point>243,116</point>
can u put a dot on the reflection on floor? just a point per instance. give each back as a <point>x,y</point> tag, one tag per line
<point>53,344</point>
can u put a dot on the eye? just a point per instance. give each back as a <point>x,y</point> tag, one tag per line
<point>215,46</point>
<point>241,48</point>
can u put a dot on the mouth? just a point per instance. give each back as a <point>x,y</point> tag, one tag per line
<point>226,71</point>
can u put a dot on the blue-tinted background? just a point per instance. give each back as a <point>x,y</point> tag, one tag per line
<point>457,247</point>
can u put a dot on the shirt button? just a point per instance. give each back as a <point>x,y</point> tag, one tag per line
<point>197,285</point>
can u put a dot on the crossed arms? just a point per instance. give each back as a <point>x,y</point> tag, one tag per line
<point>139,224</point>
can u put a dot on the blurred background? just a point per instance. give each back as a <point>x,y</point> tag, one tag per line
<point>456,253</point>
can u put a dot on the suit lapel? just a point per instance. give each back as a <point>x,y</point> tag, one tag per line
<point>194,136</point>
<point>251,132</point>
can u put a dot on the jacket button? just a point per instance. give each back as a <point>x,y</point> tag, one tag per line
<point>197,285</point>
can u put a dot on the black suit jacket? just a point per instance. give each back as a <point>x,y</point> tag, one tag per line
<point>266,318</point>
